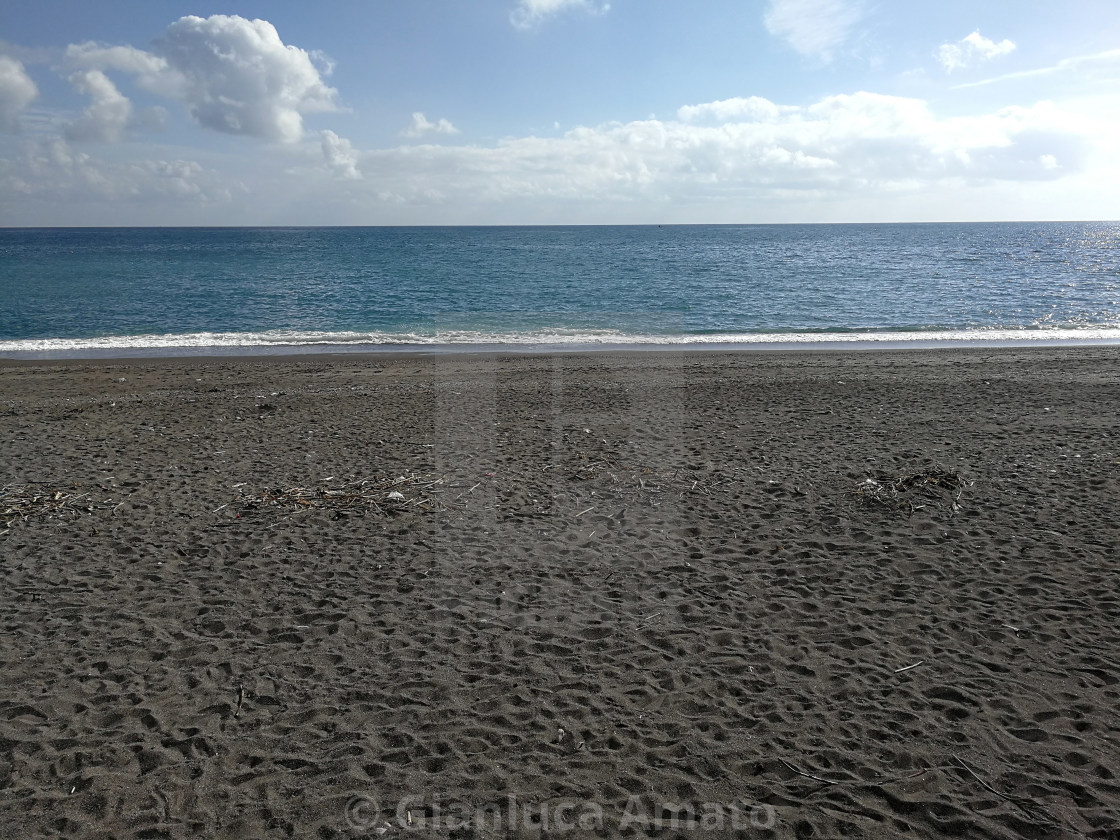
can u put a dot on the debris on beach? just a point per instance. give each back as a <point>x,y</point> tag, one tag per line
<point>594,460</point>
<point>647,480</point>
<point>910,492</point>
<point>21,502</point>
<point>384,495</point>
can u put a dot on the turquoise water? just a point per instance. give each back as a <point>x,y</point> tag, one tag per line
<point>69,290</point>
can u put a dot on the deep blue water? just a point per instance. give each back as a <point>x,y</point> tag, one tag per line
<point>68,289</point>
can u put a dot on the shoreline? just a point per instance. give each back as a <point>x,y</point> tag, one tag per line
<point>626,586</point>
<point>855,345</point>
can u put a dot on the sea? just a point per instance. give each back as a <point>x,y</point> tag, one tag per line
<point>102,292</point>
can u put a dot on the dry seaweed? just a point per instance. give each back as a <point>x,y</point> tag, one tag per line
<point>19,503</point>
<point>382,495</point>
<point>910,492</point>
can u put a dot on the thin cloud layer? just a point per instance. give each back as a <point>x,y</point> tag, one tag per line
<point>531,13</point>
<point>725,158</point>
<point>848,144</point>
<point>1089,66</point>
<point>233,75</point>
<point>53,170</point>
<point>972,49</point>
<point>716,154</point>
<point>17,91</point>
<point>814,28</point>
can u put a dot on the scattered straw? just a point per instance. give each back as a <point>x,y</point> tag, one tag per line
<point>646,481</point>
<point>379,495</point>
<point>912,491</point>
<point>21,502</point>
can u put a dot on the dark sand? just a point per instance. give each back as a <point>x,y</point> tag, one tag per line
<point>644,589</point>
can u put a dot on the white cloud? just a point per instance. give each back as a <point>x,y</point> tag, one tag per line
<point>971,49</point>
<point>859,144</point>
<point>17,91</point>
<point>733,159</point>
<point>746,109</point>
<point>53,170</point>
<point>240,78</point>
<point>1086,65</point>
<point>530,13</point>
<point>150,68</point>
<point>109,113</point>
<point>421,125</point>
<point>815,28</point>
<point>233,75</point>
<point>340,156</point>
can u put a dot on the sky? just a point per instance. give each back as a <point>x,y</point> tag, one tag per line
<point>434,112</point>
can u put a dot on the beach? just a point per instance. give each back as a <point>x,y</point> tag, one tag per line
<point>665,593</point>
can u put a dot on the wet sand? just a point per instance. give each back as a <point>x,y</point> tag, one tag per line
<point>619,594</point>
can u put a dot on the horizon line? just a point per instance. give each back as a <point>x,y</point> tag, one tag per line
<point>555,225</point>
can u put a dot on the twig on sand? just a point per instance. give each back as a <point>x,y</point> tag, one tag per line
<point>1029,805</point>
<point>1008,797</point>
<point>645,480</point>
<point>893,779</point>
<point>240,699</point>
<point>807,775</point>
<point>908,667</point>
<point>882,780</point>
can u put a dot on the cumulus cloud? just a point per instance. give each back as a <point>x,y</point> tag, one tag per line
<point>240,78</point>
<point>17,91</point>
<point>971,49</point>
<point>421,125</point>
<point>717,157</point>
<point>340,156</point>
<point>530,13</point>
<point>150,68</point>
<point>746,109</point>
<point>856,144</point>
<point>815,28</point>
<point>109,113</point>
<point>233,75</point>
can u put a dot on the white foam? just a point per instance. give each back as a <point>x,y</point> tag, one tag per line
<point>285,340</point>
